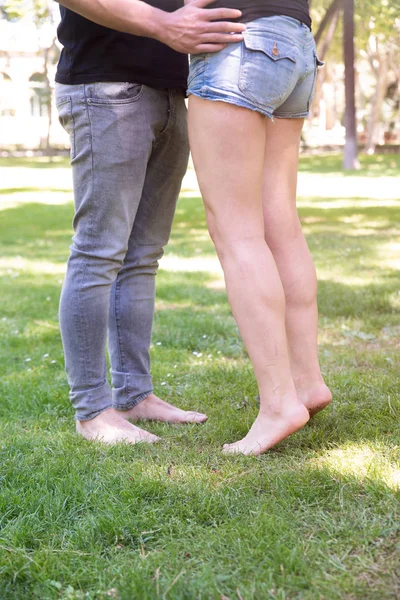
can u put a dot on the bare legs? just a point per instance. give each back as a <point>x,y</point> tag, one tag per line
<point>286,241</point>
<point>230,147</point>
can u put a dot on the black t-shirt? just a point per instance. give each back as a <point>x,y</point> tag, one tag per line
<point>255,9</point>
<point>95,53</point>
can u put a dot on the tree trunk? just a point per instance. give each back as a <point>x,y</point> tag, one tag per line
<point>376,105</point>
<point>350,149</point>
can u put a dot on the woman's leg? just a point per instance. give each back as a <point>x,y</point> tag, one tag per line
<point>228,145</point>
<point>286,241</point>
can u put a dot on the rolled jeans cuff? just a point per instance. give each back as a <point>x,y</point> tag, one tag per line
<point>129,389</point>
<point>90,403</point>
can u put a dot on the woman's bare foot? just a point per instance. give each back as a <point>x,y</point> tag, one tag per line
<point>270,428</point>
<point>315,397</point>
<point>109,427</point>
<point>153,408</point>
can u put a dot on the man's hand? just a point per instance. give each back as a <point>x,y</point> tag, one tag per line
<point>189,30</point>
<point>194,29</point>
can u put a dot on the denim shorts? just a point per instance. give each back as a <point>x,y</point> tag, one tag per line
<point>272,71</point>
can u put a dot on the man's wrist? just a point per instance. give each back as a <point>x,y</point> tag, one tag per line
<point>157,25</point>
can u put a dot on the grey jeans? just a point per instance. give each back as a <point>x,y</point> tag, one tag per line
<point>129,152</point>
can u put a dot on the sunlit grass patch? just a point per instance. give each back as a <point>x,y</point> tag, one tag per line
<point>14,266</point>
<point>364,463</point>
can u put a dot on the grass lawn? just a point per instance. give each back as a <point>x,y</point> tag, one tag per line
<point>316,518</point>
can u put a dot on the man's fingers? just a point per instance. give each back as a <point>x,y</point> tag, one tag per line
<point>206,48</point>
<point>221,14</point>
<point>202,3</point>
<point>220,38</point>
<point>225,27</point>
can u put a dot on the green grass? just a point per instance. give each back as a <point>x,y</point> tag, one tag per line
<point>316,518</point>
<point>370,166</point>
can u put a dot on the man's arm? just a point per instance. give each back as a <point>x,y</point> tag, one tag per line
<point>190,30</point>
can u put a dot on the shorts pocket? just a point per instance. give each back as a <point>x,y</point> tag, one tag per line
<point>268,70</point>
<point>64,108</point>
<point>115,93</point>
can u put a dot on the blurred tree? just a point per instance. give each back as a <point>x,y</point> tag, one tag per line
<point>326,17</point>
<point>330,15</point>
<point>350,160</point>
<point>17,9</point>
<point>377,46</point>
<point>378,23</point>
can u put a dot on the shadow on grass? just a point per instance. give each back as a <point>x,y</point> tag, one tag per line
<point>122,515</point>
<point>340,300</point>
<point>190,238</point>
<point>36,231</point>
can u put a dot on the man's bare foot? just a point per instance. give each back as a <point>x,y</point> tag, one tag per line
<point>315,397</point>
<point>153,408</point>
<point>269,429</point>
<point>109,427</point>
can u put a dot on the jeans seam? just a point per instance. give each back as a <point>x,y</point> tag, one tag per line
<point>73,140</point>
<point>118,324</point>
<point>84,268</point>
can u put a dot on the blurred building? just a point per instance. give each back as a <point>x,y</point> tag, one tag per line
<point>28,60</point>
